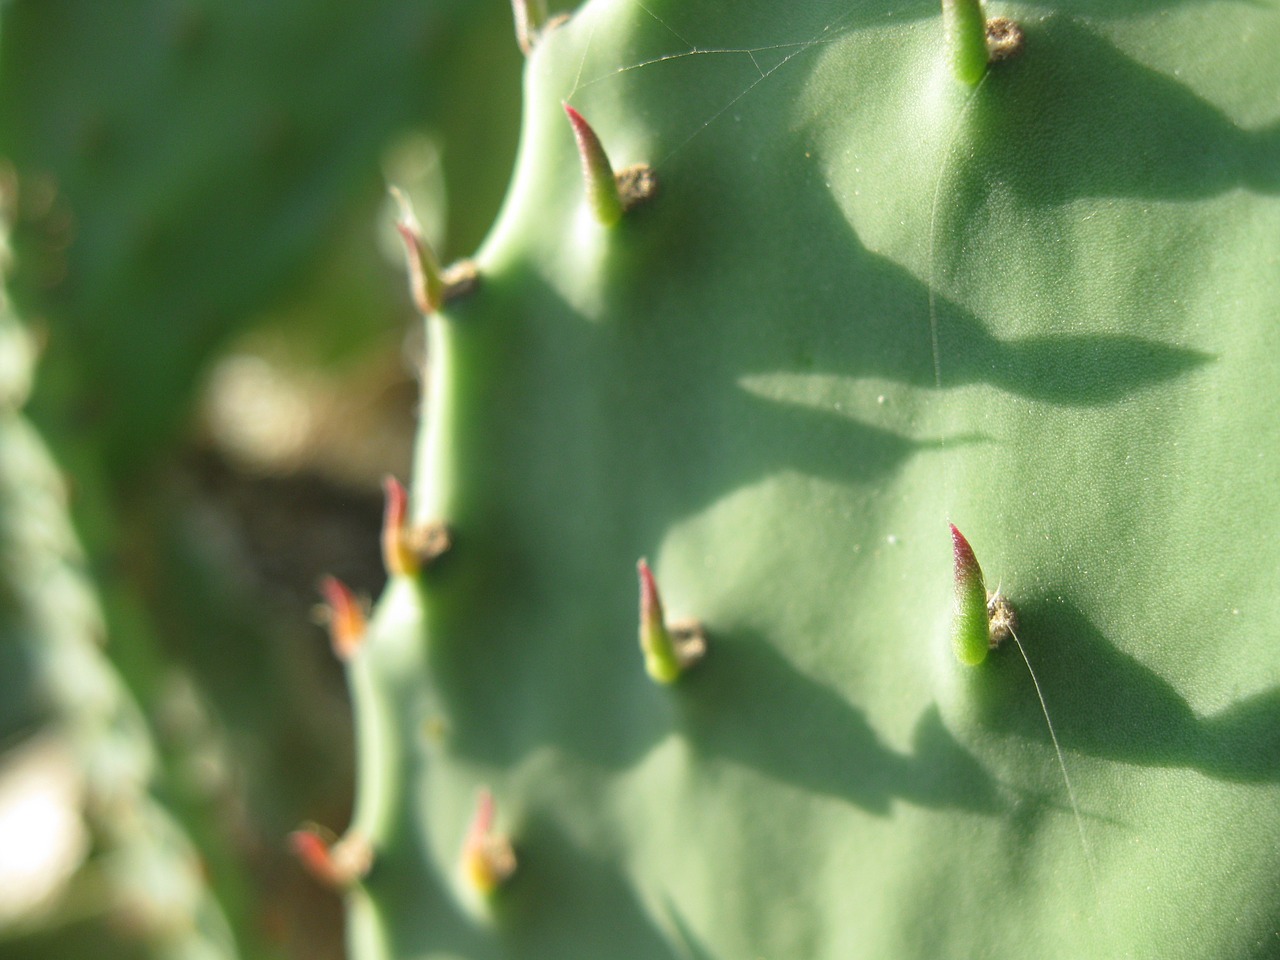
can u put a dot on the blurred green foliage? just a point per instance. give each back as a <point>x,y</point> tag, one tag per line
<point>183,163</point>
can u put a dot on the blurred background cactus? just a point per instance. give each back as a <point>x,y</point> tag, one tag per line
<point>195,194</point>
<point>1000,297</point>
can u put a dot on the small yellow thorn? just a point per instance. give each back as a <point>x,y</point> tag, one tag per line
<point>407,548</point>
<point>337,865</point>
<point>398,559</point>
<point>669,649</point>
<point>488,859</point>
<point>347,623</point>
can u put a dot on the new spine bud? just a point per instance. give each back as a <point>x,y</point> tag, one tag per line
<point>1001,616</point>
<point>609,195</point>
<point>970,629</point>
<point>669,649</point>
<point>347,623</point>
<point>1004,39</point>
<point>488,859</point>
<point>336,865</point>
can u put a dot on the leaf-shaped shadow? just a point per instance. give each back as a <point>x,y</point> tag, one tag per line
<point>569,903</point>
<point>1111,8</point>
<point>1073,117</point>
<point>887,336</point>
<point>773,436</point>
<point>563,902</point>
<point>1106,704</point>
<point>857,314</point>
<point>941,773</point>
<point>1077,370</point>
<point>748,704</point>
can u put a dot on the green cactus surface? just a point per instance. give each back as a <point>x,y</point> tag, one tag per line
<point>868,300</point>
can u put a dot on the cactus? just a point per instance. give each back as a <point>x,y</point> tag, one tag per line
<point>867,276</point>
<point>91,862</point>
<point>879,290</point>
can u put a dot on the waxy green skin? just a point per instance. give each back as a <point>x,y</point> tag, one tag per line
<point>868,301</point>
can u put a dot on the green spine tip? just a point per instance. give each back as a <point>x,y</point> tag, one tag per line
<point>488,859</point>
<point>966,39</point>
<point>609,195</point>
<point>669,650</point>
<point>970,630</point>
<point>347,624</point>
<point>336,865</point>
<point>425,280</point>
<point>530,16</point>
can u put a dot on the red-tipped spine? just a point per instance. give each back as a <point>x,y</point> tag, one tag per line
<point>313,852</point>
<point>970,629</point>
<point>488,859</point>
<point>337,865</point>
<point>398,555</point>
<point>425,280</point>
<point>602,185</point>
<point>660,659</point>
<point>347,624</point>
<point>669,649</point>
